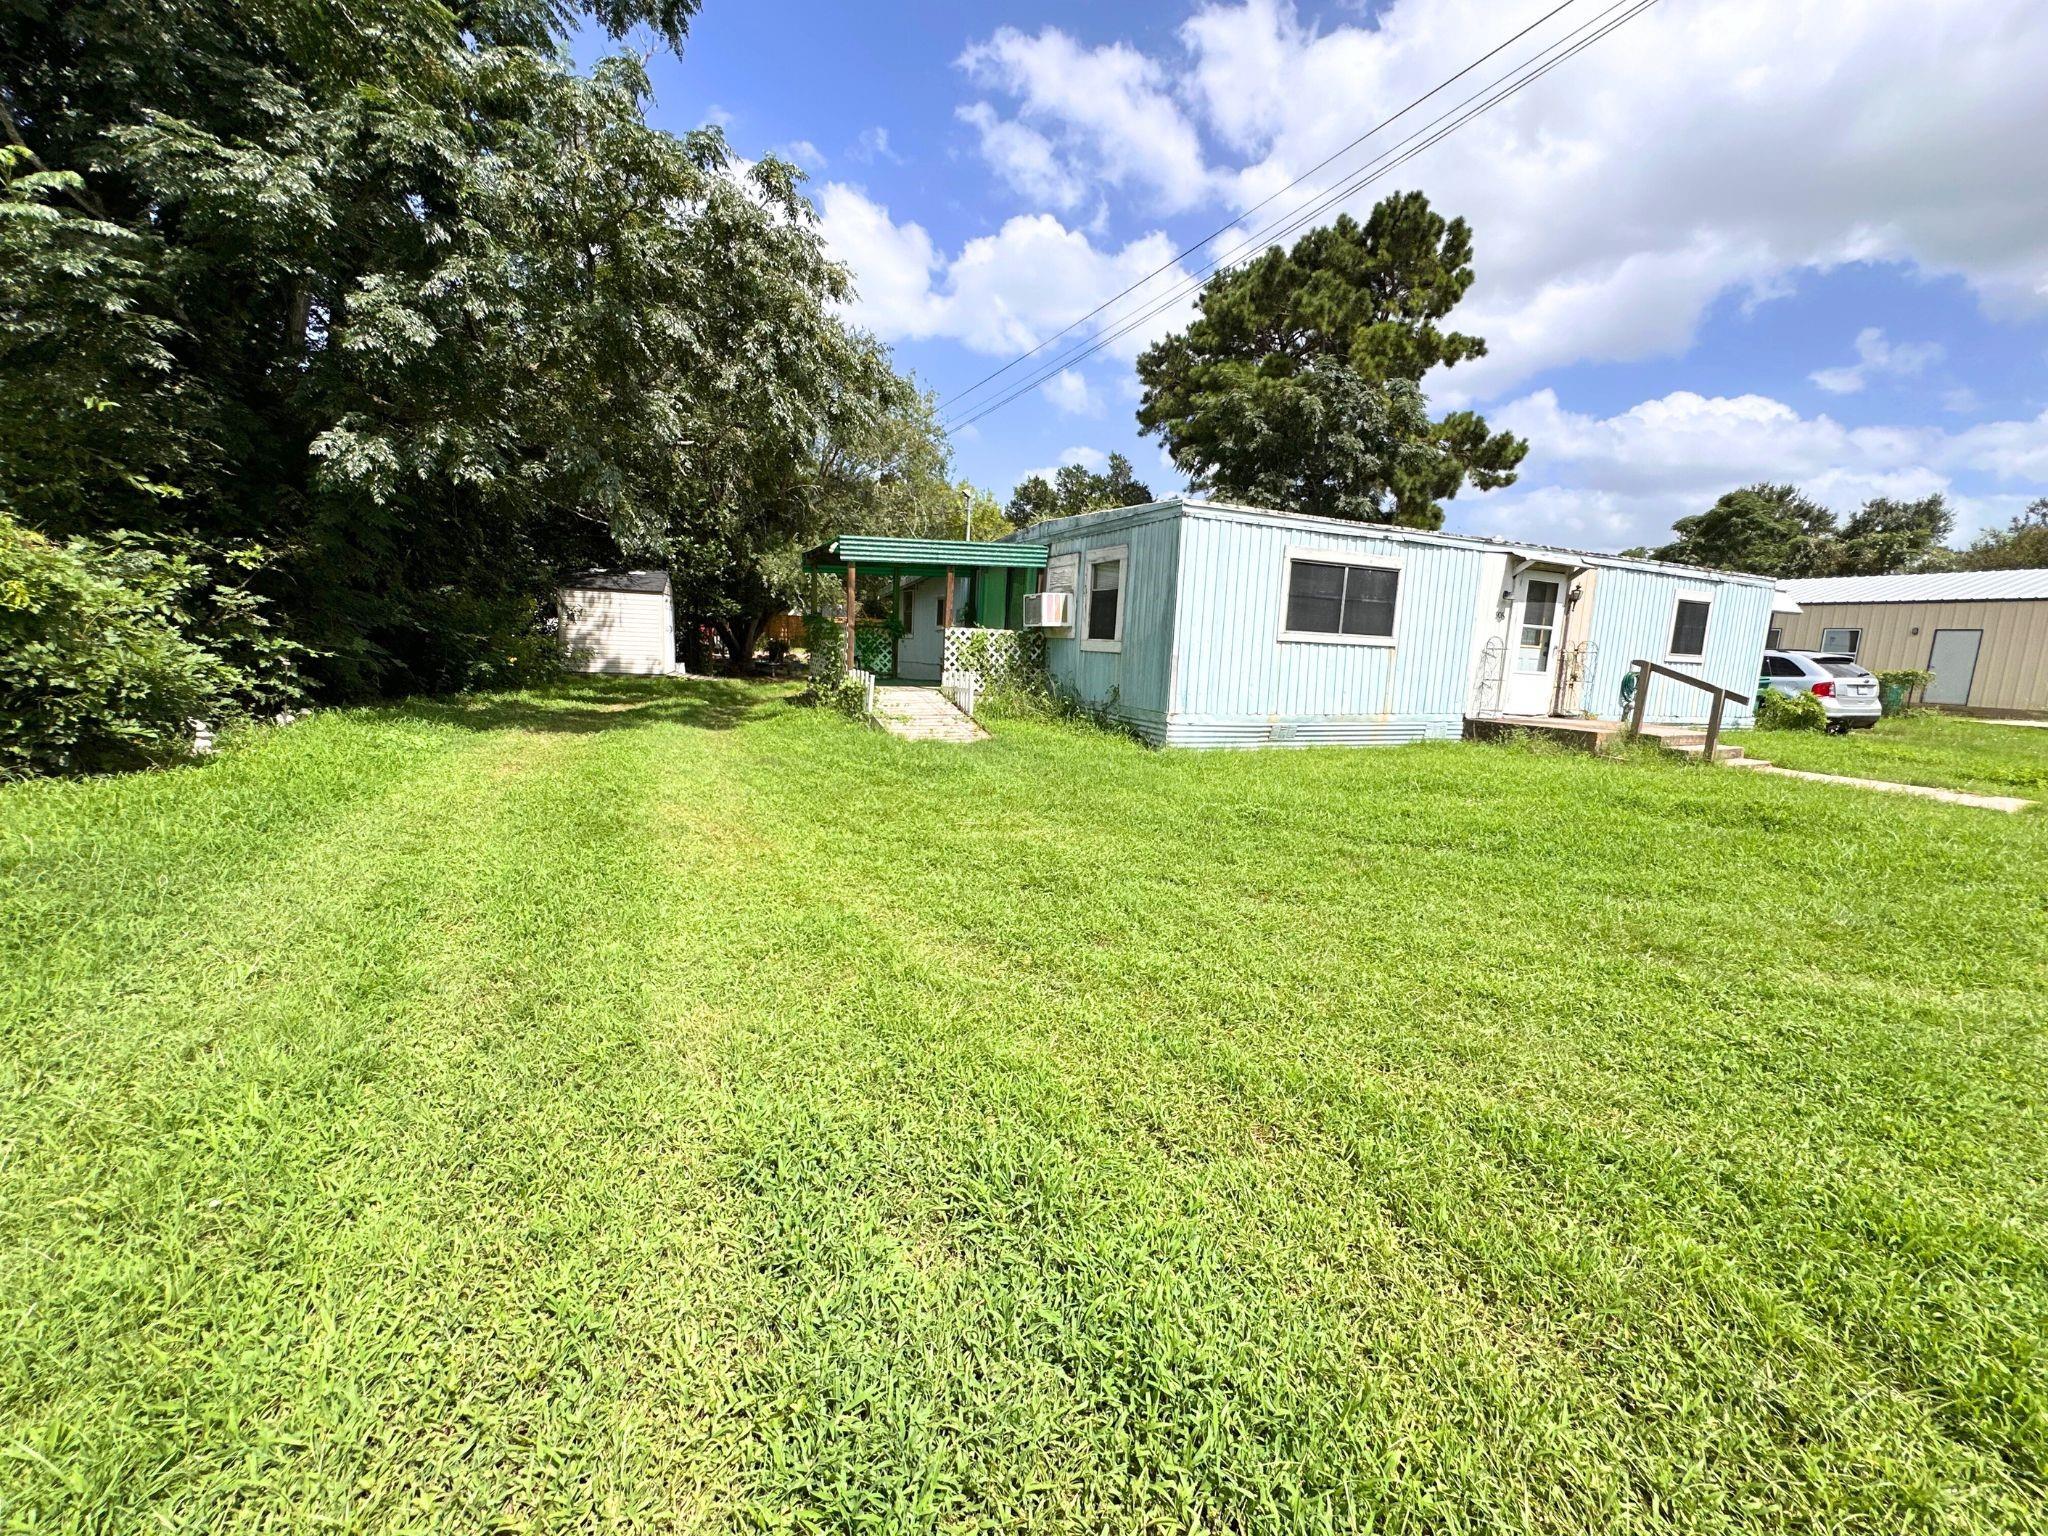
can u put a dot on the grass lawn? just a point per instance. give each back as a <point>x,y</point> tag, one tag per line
<point>1947,751</point>
<point>654,1107</point>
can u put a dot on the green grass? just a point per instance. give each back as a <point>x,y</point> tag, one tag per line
<point>655,1107</point>
<point>1946,751</point>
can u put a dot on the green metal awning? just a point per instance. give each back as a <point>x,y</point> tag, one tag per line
<point>924,557</point>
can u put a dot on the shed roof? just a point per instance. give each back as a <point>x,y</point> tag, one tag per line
<point>1930,587</point>
<point>882,555</point>
<point>619,581</point>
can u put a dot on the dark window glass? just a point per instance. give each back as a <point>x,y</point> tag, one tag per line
<point>1782,666</point>
<point>1846,640</point>
<point>1315,597</point>
<point>1325,599</point>
<point>1105,592</point>
<point>1369,600</point>
<point>1689,628</point>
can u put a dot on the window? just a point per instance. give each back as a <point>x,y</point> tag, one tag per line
<point>1103,618</point>
<point>1689,627</point>
<point>1353,602</point>
<point>1782,666</point>
<point>1845,641</point>
<point>1539,625</point>
<point>1774,639</point>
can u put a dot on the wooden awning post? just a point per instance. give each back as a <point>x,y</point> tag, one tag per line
<point>849,617</point>
<point>949,597</point>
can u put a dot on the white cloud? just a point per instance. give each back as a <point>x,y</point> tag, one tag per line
<point>1876,355</point>
<point>804,153</point>
<point>1094,460</point>
<point>1023,156</point>
<point>1623,479</point>
<point>1694,152</point>
<point>873,145</point>
<point>1109,109</point>
<point>1001,293</point>
<point>1069,394</point>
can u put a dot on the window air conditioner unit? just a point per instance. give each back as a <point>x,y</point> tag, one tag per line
<point>1047,610</point>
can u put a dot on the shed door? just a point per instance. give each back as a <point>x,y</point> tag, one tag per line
<point>1953,661</point>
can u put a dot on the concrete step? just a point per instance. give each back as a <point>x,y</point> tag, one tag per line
<point>1695,750</point>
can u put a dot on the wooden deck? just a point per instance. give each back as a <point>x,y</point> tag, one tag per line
<point>923,714</point>
<point>1594,735</point>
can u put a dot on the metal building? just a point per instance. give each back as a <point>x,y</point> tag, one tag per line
<point>1983,634</point>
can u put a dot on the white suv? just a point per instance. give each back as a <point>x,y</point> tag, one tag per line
<point>1847,692</point>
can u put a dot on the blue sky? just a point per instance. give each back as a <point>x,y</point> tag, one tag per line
<point>1735,239</point>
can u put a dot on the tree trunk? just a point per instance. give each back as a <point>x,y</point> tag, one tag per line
<point>742,635</point>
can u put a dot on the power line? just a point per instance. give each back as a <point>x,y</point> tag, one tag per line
<point>1271,197</point>
<point>1288,223</point>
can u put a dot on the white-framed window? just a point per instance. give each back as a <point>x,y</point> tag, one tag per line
<point>1329,595</point>
<point>1102,608</point>
<point>1689,617</point>
<point>1846,642</point>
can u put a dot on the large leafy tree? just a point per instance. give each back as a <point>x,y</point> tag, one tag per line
<point>2021,545</point>
<point>1775,530</point>
<point>1770,530</point>
<point>407,301</point>
<point>1886,535</point>
<point>1298,385</point>
<point>1074,488</point>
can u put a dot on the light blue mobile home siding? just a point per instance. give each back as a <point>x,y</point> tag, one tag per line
<point>1236,682</point>
<point>1632,615</point>
<point>1132,682</point>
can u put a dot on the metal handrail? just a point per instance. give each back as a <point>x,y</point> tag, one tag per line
<point>1645,670</point>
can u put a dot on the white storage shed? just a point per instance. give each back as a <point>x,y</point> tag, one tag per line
<point>619,622</point>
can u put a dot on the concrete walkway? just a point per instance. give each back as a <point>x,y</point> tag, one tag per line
<point>1925,791</point>
<point>923,714</point>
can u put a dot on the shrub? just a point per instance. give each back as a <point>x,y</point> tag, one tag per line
<point>1897,687</point>
<point>110,649</point>
<point>1777,710</point>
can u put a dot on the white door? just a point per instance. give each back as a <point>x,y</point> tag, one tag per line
<point>1532,644</point>
<point>1953,661</point>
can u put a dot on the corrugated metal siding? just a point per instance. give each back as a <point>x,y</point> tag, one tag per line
<point>1632,614</point>
<point>2012,660</point>
<point>1133,681</point>
<point>1238,682</point>
<point>622,632</point>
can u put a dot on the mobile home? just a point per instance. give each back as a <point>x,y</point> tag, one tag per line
<point>1203,624</point>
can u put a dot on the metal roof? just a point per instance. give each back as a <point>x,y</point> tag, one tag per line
<point>1521,548</point>
<point>619,581</point>
<point>1931,587</point>
<point>865,552</point>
